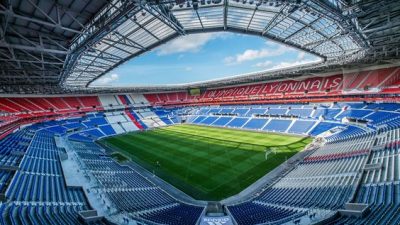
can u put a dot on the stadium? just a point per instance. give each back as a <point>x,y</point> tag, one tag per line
<point>309,143</point>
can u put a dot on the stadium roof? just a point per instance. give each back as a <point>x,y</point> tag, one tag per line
<point>69,43</point>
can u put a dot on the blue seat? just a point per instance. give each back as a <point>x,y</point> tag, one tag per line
<point>301,126</point>
<point>255,124</point>
<point>278,125</point>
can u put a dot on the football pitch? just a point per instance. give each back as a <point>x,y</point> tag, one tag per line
<point>207,163</point>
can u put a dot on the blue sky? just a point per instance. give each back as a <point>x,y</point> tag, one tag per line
<point>204,56</point>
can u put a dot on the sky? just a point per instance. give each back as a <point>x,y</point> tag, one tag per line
<point>204,56</point>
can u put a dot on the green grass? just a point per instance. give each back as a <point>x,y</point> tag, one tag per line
<point>205,162</point>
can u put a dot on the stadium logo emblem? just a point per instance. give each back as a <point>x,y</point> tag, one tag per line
<point>216,221</point>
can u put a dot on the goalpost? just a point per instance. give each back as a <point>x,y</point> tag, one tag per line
<point>268,151</point>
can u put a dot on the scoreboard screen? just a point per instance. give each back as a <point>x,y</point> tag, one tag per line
<point>194,91</point>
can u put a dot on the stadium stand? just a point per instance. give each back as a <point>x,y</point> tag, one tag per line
<point>326,87</point>
<point>130,192</point>
<point>349,147</point>
<point>343,156</point>
<point>54,168</point>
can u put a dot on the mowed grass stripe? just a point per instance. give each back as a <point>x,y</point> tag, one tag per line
<point>205,162</point>
<point>167,150</point>
<point>167,154</point>
<point>222,134</point>
<point>218,153</point>
<point>142,158</point>
<point>233,162</point>
<point>233,167</point>
<point>238,135</point>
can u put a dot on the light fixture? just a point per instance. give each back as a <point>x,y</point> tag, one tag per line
<point>195,4</point>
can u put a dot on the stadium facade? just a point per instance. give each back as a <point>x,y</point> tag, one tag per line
<point>53,170</point>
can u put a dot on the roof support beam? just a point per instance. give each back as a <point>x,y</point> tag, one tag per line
<point>198,17</point>
<point>11,13</point>
<point>275,20</point>
<point>165,15</point>
<point>142,26</point>
<point>32,48</point>
<point>113,45</point>
<point>225,14</point>
<point>96,64</point>
<point>336,15</point>
<point>251,19</point>
<point>42,12</point>
<point>105,56</point>
<point>32,61</point>
<point>94,33</point>
<point>124,38</point>
<point>303,28</point>
<point>120,43</point>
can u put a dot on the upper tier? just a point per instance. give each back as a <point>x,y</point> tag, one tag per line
<point>373,85</point>
<point>373,82</point>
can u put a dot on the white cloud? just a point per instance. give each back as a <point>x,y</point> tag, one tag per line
<point>301,56</point>
<point>188,68</point>
<point>229,60</point>
<point>189,43</point>
<point>263,64</point>
<point>252,54</point>
<point>107,79</point>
